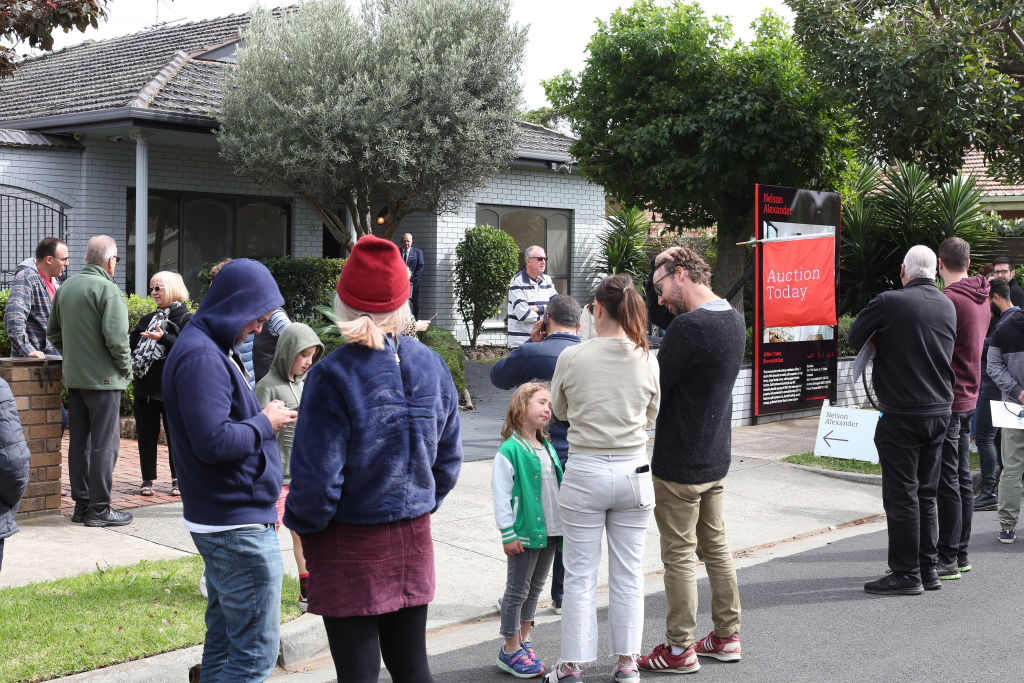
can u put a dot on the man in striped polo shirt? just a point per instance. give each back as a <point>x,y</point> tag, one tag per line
<point>528,295</point>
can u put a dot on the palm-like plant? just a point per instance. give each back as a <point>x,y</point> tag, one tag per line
<point>623,246</point>
<point>888,212</point>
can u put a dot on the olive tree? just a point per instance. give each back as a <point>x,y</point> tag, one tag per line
<point>411,103</point>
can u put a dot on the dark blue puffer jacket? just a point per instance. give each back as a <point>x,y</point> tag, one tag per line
<point>14,459</point>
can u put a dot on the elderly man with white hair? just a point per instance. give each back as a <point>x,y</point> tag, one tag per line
<point>912,330</point>
<point>88,325</point>
<point>528,296</point>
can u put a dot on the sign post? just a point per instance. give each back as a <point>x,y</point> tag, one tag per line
<point>796,299</point>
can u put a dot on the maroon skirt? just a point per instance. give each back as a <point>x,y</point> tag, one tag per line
<point>368,569</point>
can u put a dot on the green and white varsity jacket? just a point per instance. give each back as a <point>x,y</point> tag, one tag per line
<point>516,485</point>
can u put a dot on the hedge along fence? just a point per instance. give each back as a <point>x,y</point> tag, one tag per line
<point>305,283</point>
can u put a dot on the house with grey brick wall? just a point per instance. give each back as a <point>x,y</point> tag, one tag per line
<point>116,137</point>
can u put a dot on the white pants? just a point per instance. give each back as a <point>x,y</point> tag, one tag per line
<point>598,493</point>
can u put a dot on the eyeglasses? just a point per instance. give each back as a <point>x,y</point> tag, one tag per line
<point>657,283</point>
<point>63,260</point>
<point>1001,272</point>
<point>117,259</point>
<point>156,289</point>
<point>539,258</point>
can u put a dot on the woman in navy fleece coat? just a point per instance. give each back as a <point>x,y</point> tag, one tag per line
<point>377,448</point>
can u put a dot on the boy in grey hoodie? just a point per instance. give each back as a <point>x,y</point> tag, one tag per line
<point>298,348</point>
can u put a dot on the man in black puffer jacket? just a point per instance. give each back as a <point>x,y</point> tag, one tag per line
<point>913,330</point>
<point>14,458</point>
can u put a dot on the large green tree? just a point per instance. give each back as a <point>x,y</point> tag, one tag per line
<point>672,114</point>
<point>925,79</point>
<point>33,21</point>
<point>409,103</point>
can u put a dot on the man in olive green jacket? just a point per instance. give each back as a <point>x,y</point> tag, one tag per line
<point>90,313</point>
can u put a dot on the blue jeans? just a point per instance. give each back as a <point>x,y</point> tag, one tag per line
<point>243,616</point>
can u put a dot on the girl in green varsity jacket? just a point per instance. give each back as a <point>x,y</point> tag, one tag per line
<point>525,483</point>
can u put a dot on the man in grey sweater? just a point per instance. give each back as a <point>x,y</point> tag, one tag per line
<point>1006,368</point>
<point>699,360</point>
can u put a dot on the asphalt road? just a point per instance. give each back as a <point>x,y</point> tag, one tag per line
<point>807,618</point>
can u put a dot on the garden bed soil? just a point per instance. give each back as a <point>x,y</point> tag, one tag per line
<point>484,352</point>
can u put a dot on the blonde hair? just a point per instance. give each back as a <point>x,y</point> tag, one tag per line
<point>516,413</point>
<point>174,286</point>
<point>368,329</point>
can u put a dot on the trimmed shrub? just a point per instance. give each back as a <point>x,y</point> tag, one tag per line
<point>445,343</point>
<point>485,261</point>
<point>305,283</point>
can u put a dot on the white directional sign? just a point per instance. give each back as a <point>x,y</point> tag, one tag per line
<point>846,433</point>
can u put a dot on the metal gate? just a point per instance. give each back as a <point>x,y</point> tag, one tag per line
<point>23,222</point>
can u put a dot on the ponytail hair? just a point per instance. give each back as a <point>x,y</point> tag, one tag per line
<point>368,329</point>
<point>624,304</point>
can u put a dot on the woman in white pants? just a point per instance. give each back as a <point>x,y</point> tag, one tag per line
<point>608,390</point>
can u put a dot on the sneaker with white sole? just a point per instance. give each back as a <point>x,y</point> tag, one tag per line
<point>519,663</point>
<point>1006,536</point>
<point>626,673</point>
<point>662,659</point>
<point>571,675</point>
<point>722,649</point>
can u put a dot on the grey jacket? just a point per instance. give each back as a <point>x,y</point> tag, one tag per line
<point>1006,356</point>
<point>14,458</point>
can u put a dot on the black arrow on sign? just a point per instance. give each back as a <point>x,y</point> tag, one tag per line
<point>834,438</point>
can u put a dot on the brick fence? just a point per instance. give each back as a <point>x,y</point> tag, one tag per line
<point>36,384</point>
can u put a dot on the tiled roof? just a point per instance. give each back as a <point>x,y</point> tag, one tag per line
<point>24,138</point>
<point>541,139</point>
<point>158,70</point>
<point>105,74</point>
<point>974,164</point>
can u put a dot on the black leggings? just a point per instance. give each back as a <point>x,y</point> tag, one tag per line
<point>357,644</point>
<point>148,415</point>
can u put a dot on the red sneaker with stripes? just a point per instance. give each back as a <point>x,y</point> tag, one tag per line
<point>722,649</point>
<point>662,659</point>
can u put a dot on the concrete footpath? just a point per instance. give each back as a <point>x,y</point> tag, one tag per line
<point>767,503</point>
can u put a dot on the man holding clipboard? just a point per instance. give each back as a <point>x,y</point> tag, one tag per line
<point>1006,368</point>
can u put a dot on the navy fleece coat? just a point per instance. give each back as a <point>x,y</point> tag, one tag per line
<point>225,454</point>
<point>377,440</point>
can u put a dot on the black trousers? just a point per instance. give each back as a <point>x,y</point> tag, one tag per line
<point>95,426</point>
<point>357,644</point>
<point>956,490</point>
<point>148,415</point>
<point>909,449</point>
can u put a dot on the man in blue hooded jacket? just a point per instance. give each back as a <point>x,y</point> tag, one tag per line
<point>229,472</point>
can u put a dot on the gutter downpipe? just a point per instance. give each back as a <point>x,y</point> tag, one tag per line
<point>141,213</point>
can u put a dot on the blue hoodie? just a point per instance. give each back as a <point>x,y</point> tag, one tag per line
<point>225,454</point>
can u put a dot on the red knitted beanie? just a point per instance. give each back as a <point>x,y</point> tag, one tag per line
<point>374,279</point>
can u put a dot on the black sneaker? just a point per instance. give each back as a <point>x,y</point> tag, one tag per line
<point>963,564</point>
<point>985,501</point>
<point>109,517</point>
<point>948,572</point>
<point>930,579</point>
<point>81,507</point>
<point>895,584</point>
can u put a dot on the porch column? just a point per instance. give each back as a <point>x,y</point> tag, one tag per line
<point>141,276</point>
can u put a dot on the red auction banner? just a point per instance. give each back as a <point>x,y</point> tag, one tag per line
<point>798,283</point>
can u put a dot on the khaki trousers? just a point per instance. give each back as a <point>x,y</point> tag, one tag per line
<point>690,521</point>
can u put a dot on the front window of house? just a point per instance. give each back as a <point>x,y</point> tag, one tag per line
<point>548,228</point>
<point>189,229</point>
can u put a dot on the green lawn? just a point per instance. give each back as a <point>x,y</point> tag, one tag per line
<point>113,615</point>
<point>841,465</point>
